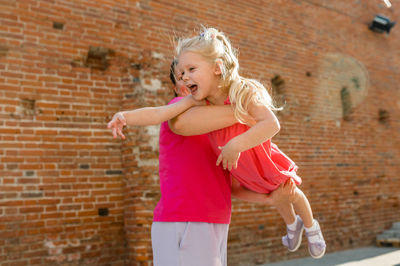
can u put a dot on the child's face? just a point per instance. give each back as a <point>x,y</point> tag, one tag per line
<point>198,75</point>
<point>180,87</point>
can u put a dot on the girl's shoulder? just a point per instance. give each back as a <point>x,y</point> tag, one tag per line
<point>226,102</point>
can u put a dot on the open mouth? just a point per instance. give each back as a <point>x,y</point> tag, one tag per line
<point>192,88</point>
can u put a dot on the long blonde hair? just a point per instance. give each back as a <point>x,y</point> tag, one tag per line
<point>215,47</point>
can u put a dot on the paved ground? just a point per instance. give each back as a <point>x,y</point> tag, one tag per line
<point>369,256</point>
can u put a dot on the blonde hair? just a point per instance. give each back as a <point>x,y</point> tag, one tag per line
<point>215,47</point>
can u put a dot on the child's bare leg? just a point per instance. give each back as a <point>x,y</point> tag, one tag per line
<point>294,226</point>
<point>316,242</point>
<point>303,208</point>
<point>286,210</point>
<point>283,196</point>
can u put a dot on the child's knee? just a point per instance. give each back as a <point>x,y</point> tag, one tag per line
<point>298,195</point>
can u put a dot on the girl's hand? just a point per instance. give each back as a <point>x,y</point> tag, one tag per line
<point>117,123</point>
<point>283,194</point>
<point>229,156</point>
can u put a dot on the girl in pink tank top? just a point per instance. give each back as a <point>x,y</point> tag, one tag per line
<point>209,67</point>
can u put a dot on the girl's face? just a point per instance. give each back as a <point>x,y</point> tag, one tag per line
<point>180,88</point>
<point>199,76</point>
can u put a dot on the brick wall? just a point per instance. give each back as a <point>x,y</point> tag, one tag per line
<point>71,195</point>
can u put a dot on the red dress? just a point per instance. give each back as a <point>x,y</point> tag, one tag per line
<point>262,168</point>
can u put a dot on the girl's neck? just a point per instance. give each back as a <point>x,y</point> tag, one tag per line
<point>217,98</point>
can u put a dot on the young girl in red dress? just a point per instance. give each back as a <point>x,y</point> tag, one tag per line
<point>209,67</point>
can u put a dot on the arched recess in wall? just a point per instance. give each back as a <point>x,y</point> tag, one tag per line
<point>343,83</point>
<point>278,91</point>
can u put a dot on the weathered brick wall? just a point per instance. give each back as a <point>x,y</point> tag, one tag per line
<point>71,195</point>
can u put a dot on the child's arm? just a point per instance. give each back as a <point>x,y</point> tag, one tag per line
<point>202,119</point>
<point>267,125</point>
<point>149,115</point>
<point>284,193</point>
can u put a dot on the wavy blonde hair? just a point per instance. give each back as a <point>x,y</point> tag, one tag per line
<point>215,47</point>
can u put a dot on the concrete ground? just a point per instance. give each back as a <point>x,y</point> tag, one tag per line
<point>368,256</point>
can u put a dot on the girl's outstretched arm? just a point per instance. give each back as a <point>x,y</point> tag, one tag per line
<point>266,126</point>
<point>202,119</point>
<point>149,115</point>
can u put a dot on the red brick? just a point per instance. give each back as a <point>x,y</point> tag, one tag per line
<point>349,170</point>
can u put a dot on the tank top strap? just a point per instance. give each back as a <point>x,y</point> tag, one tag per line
<point>227,101</point>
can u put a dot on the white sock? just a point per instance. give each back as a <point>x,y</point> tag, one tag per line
<point>314,227</point>
<point>292,227</point>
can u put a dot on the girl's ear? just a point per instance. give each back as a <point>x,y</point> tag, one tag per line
<point>218,67</point>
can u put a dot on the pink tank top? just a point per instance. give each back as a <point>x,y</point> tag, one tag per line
<point>192,187</point>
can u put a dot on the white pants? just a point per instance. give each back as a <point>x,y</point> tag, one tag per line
<point>189,243</point>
